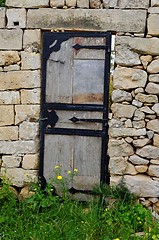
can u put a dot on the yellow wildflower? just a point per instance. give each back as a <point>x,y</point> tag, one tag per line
<point>60,165</point>
<point>69,172</point>
<point>75,170</point>
<point>59,177</point>
<point>56,167</point>
<point>117,239</point>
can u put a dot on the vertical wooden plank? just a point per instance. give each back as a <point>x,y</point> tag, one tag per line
<point>60,74</point>
<point>58,150</point>
<point>87,158</point>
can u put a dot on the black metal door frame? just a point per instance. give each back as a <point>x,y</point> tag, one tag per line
<point>48,114</point>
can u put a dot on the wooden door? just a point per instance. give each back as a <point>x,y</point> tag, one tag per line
<point>75,106</point>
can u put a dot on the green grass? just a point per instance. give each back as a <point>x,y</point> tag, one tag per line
<point>2,3</point>
<point>45,216</point>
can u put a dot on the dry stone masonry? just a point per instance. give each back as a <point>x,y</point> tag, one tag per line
<point>134,118</point>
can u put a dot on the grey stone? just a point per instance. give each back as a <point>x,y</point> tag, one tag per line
<point>2,17</point>
<point>154,3</point>
<point>141,142</point>
<point>138,115</point>
<point>153,10</point>
<point>153,21</point>
<point>9,97</point>
<point>141,45</point>
<point>133,4</point>
<point>27,3</point>
<point>136,160</point>
<point>120,96</point>
<point>70,3</point>
<point>156,140</point>
<point>129,78</point>
<point>11,39</point>
<point>139,90</point>
<point>148,151</point>
<point>150,134</point>
<point>146,98</point>
<point>156,108</point>
<point>153,67</point>
<point>154,78</point>
<point>101,19</point>
<point>142,185</point>
<point>11,161</point>
<point>28,127</point>
<point>152,88</point>
<point>153,125</point>
<point>147,110</point>
<point>115,123</point>
<point>16,18</point>
<point>128,123</point>
<point>119,148</point>
<point>137,103</point>
<point>30,61</point>
<point>126,132</point>
<point>153,170</point>
<point>117,165</point>
<point>126,57</point>
<point>146,60</point>
<point>123,111</point>
<point>139,124</point>
<point>57,3</point>
<point>83,3</point>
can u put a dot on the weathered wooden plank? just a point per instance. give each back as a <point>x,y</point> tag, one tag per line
<point>58,150</point>
<point>60,74</point>
<point>64,122</point>
<point>89,53</point>
<point>87,157</point>
<point>88,81</point>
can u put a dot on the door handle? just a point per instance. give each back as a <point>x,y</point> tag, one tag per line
<point>75,119</point>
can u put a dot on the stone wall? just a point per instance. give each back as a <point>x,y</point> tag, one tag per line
<point>133,126</point>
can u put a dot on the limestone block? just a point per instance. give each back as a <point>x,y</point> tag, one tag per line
<point>57,3</point>
<point>14,67</point>
<point>138,115</point>
<point>101,19</point>
<point>133,4</point>
<point>16,18</point>
<point>130,169</point>
<point>153,170</point>
<point>30,161</point>
<point>20,177</point>
<point>154,78</point>
<point>153,66</point>
<point>126,57</point>
<point>123,111</point>
<point>6,115</point>
<point>155,108</point>
<point>142,185</point>
<point>30,96</point>
<point>146,98</point>
<point>8,133</point>
<point>153,125</point>
<point>154,3</point>
<point>19,79</point>
<point>153,10</point>
<point>128,123</point>
<point>148,151</point>
<point>18,147</point>
<point>25,193</point>
<point>83,3</point>
<point>120,96</point>
<point>146,60</point>
<point>95,3</point>
<point>2,17</point>
<point>11,161</point>
<point>148,46</point>
<point>117,165</point>
<point>70,3</point>
<point>11,39</point>
<point>9,97</point>
<point>138,124</point>
<point>27,3</point>
<point>31,37</point>
<point>147,110</point>
<point>9,57</point>
<point>30,60</point>
<point>155,161</point>
<point>153,21</point>
<point>136,160</point>
<point>156,140</point>
<point>119,148</point>
<point>126,132</point>
<point>150,134</point>
<point>27,113</point>
<point>141,168</point>
<point>141,142</point>
<point>28,130</point>
<point>129,78</point>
